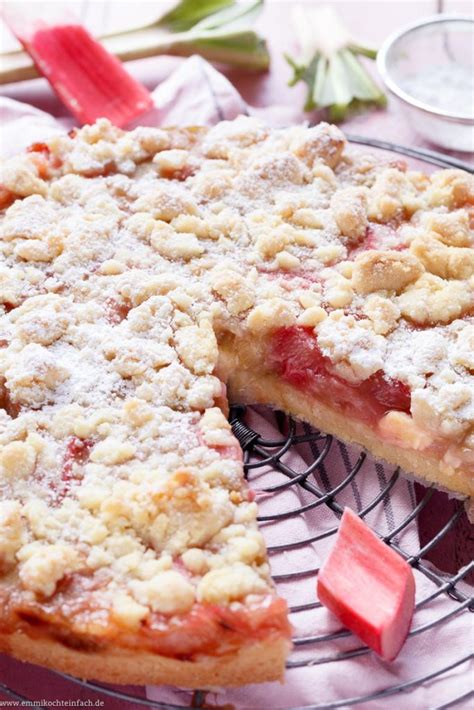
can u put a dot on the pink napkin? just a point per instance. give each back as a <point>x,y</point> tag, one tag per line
<point>196,93</point>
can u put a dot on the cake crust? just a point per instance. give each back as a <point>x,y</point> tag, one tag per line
<point>258,663</point>
<point>243,388</point>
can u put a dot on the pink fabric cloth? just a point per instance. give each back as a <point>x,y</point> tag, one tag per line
<point>198,94</point>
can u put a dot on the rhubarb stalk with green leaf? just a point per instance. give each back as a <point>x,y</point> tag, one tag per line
<point>328,64</point>
<point>218,30</point>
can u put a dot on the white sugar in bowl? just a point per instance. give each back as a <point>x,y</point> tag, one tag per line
<point>429,67</point>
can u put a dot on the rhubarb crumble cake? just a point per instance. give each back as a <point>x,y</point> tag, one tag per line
<point>147,276</point>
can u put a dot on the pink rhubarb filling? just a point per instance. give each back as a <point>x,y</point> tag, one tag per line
<point>296,357</point>
<point>294,354</point>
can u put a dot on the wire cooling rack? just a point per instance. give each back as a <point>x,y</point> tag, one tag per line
<point>263,460</point>
<point>268,471</point>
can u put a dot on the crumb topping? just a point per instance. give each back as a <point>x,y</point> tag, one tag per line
<point>124,259</point>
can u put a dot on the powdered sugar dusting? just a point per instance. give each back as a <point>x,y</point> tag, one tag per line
<point>123,265</point>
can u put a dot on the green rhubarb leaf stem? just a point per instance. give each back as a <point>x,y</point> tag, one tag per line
<point>218,30</point>
<point>320,80</point>
<point>234,16</point>
<point>363,86</point>
<point>328,63</point>
<point>188,13</point>
<point>362,50</point>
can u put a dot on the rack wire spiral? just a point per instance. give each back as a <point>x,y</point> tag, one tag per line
<point>263,460</point>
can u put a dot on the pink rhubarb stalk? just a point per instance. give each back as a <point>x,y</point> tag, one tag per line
<point>90,81</point>
<point>368,586</point>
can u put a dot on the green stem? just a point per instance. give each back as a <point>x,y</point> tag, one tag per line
<point>328,63</point>
<point>363,51</point>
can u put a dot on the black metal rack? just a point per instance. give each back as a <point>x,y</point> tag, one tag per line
<point>263,460</point>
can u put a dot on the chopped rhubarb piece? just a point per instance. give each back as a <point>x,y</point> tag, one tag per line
<point>368,586</point>
<point>6,403</point>
<point>379,236</point>
<point>38,148</point>
<point>43,159</point>
<point>208,627</point>
<point>297,358</point>
<point>226,451</point>
<point>77,452</point>
<point>90,81</point>
<point>7,197</point>
<point>116,311</point>
<point>391,394</point>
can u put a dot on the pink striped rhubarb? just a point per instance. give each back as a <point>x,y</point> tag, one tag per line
<point>90,81</point>
<point>368,586</point>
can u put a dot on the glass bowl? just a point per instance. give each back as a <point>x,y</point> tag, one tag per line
<point>429,67</point>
